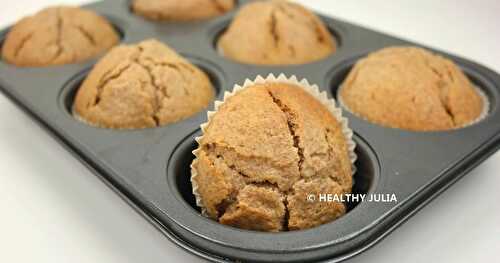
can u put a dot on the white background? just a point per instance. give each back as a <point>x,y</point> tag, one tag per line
<point>52,209</point>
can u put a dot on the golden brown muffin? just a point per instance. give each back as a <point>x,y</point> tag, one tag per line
<point>411,88</point>
<point>142,85</point>
<point>57,36</point>
<point>263,151</point>
<point>276,33</point>
<point>185,10</point>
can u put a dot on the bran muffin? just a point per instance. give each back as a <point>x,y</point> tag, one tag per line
<point>413,89</point>
<point>185,10</point>
<point>276,32</point>
<point>58,35</point>
<point>263,151</point>
<point>140,86</point>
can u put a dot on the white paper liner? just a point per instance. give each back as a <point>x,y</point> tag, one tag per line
<point>480,92</point>
<point>311,89</point>
<point>484,112</point>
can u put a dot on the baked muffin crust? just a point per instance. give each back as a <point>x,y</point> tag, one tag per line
<point>276,32</point>
<point>264,149</point>
<point>185,10</point>
<point>58,35</point>
<point>140,86</point>
<point>411,88</point>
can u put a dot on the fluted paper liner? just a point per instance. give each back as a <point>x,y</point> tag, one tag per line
<point>312,90</point>
<point>480,92</point>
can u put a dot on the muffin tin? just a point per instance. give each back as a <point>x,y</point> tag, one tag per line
<point>149,168</point>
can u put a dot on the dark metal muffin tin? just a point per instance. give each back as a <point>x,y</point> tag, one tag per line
<point>149,168</point>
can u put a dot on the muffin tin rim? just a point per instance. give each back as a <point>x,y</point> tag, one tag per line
<point>171,178</point>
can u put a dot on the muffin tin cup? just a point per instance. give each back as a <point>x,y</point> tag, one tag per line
<point>150,168</point>
<point>311,89</point>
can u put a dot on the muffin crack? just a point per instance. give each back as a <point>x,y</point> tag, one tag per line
<point>233,167</point>
<point>331,152</point>
<point>58,40</point>
<point>107,78</point>
<point>286,217</point>
<point>268,184</point>
<point>223,205</point>
<point>444,103</point>
<point>218,151</point>
<point>273,28</point>
<point>157,105</point>
<point>284,195</point>
<point>329,146</point>
<point>317,27</point>
<point>23,42</point>
<point>220,8</point>
<point>440,84</point>
<point>292,127</point>
<point>282,9</point>
<point>87,35</point>
<point>160,93</point>
<point>175,67</point>
<point>319,33</point>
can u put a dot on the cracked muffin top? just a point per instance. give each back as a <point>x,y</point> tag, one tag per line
<point>185,10</point>
<point>411,88</point>
<point>276,32</point>
<point>56,36</point>
<point>140,86</point>
<point>264,150</point>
